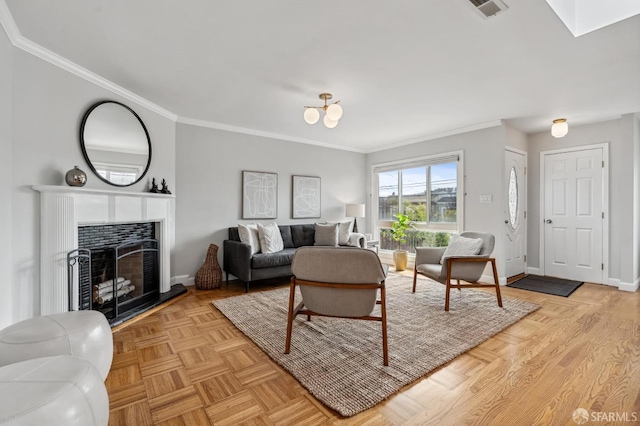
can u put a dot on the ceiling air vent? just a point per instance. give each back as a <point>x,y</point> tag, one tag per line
<point>489,8</point>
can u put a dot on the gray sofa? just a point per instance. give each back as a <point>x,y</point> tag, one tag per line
<point>238,261</point>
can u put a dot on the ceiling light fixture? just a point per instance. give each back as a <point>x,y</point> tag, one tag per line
<point>332,115</point>
<point>559,128</point>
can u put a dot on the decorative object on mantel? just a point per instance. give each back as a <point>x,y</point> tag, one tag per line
<point>76,177</point>
<point>209,276</point>
<point>165,188</point>
<point>154,186</point>
<point>333,112</point>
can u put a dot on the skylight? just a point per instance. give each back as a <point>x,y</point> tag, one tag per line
<point>584,16</point>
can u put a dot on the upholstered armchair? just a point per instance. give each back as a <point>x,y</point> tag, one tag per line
<point>338,282</point>
<point>459,267</point>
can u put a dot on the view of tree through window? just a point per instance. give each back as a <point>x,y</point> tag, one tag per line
<point>428,195</point>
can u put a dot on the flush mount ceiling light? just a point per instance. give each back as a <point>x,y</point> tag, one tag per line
<point>559,128</point>
<point>332,113</point>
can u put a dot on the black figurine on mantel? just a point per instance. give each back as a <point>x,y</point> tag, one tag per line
<point>154,186</point>
<point>165,189</point>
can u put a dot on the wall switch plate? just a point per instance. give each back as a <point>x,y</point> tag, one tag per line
<point>486,198</point>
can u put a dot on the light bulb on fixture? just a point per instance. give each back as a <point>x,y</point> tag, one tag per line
<point>559,128</point>
<point>333,112</point>
<point>329,123</point>
<point>311,115</point>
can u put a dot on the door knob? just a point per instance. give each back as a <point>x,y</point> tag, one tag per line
<point>549,220</point>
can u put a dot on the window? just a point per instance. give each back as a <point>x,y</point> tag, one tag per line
<point>427,191</point>
<point>117,174</point>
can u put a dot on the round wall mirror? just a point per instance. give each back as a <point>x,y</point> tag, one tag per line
<point>115,143</point>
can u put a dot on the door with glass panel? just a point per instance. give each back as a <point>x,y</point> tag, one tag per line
<point>514,211</point>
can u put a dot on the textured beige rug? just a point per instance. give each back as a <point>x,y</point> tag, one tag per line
<point>340,361</point>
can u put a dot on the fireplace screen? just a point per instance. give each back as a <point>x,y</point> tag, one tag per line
<point>117,280</point>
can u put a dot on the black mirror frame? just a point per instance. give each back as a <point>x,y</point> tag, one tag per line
<point>84,151</point>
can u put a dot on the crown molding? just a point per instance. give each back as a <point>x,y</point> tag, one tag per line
<point>425,138</point>
<point>16,38</point>
<point>246,131</point>
<point>9,25</point>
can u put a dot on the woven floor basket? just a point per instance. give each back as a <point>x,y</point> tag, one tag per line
<point>209,276</point>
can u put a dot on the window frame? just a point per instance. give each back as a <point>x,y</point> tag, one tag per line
<point>429,160</point>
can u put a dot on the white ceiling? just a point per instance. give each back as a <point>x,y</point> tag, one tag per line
<point>403,70</point>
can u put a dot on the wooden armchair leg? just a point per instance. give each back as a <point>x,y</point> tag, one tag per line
<point>495,279</point>
<point>292,296</point>
<point>446,298</point>
<point>415,277</point>
<point>383,311</point>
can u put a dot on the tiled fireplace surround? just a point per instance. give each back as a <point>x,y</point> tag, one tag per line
<point>63,209</point>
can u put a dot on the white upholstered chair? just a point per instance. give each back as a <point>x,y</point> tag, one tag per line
<point>468,268</point>
<point>338,282</point>
<point>52,370</point>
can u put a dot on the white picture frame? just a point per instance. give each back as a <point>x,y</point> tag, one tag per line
<point>259,195</point>
<point>306,197</point>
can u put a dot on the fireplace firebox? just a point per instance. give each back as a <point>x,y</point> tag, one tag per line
<point>117,267</point>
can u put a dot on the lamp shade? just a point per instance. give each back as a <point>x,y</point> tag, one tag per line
<point>559,128</point>
<point>355,210</point>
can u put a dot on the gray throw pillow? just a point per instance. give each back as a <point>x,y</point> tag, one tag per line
<point>344,231</point>
<point>462,246</point>
<point>326,234</point>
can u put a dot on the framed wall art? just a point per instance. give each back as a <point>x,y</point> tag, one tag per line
<point>259,195</point>
<point>305,197</point>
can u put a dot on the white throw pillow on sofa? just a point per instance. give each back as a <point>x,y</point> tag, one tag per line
<point>249,235</point>
<point>344,231</point>
<point>462,246</point>
<point>270,238</point>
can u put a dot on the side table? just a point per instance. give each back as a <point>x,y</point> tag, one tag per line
<point>373,244</point>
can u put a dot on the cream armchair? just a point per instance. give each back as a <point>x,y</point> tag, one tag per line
<point>468,268</point>
<point>338,282</point>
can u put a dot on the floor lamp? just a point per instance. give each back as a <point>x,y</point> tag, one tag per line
<point>355,211</point>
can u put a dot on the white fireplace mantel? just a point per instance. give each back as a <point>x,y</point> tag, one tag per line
<point>64,208</point>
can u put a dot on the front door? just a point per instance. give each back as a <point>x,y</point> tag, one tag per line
<point>514,212</point>
<point>573,215</point>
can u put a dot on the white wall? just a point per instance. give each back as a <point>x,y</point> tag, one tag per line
<point>48,105</point>
<point>618,134</point>
<point>6,172</point>
<point>484,174</point>
<point>209,165</point>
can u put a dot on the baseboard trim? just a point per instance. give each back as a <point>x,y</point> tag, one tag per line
<point>631,287</point>
<point>179,279</point>
<point>534,271</point>
<point>614,282</point>
<point>489,279</point>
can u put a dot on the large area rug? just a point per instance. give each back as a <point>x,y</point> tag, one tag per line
<point>340,361</point>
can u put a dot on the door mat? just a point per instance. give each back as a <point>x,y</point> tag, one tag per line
<point>547,285</point>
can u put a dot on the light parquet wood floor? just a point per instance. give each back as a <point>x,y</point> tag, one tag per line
<point>186,364</point>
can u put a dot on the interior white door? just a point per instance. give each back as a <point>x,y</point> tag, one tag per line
<point>573,216</point>
<point>514,223</point>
